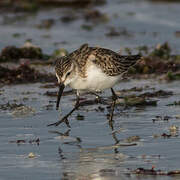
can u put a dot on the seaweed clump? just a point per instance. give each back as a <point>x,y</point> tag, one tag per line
<point>162,51</point>
<point>35,5</point>
<point>152,171</point>
<point>13,53</point>
<point>159,61</point>
<point>23,74</point>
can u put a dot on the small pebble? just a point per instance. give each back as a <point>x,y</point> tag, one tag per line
<point>173,128</point>
<point>31,155</point>
<point>177,116</point>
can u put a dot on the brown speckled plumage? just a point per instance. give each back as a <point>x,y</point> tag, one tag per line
<point>110,62</point>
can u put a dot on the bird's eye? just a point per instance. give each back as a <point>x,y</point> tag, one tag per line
<point>68,74</point>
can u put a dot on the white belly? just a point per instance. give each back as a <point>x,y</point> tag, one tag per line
<point>96,80</point>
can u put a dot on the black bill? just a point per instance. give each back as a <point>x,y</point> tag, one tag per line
<point>61,88</point>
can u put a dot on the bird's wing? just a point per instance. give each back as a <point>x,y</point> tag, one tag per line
<point>80,59</point>
<point>111,62</point>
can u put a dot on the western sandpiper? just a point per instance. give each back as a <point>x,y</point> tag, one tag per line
<point>91,69</point>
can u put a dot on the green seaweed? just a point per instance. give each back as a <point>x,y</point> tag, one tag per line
<point>162,50</point>
<point>13,53</point>
<point>173,76</point>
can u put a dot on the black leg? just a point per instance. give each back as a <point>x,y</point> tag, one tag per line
<point>114,98</point>
<point>65,118</point>
<point>77,99</point>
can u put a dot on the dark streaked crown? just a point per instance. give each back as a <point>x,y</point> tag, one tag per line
<point>62,65</point>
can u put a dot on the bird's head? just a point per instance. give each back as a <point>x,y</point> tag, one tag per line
<point>64,69</point>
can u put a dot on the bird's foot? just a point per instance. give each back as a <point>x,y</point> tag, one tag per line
<point>64,119</point>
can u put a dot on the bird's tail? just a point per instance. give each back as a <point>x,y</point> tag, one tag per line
<point>129,61</point>
<point>133,59</point>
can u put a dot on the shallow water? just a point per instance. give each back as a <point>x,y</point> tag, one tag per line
<point>95,156</point>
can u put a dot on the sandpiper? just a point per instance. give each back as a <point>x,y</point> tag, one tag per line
<point>91,69</point>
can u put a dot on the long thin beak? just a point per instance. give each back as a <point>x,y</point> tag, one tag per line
<point>61,88</point>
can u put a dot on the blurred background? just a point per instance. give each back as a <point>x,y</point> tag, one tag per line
<point>67,24</point>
